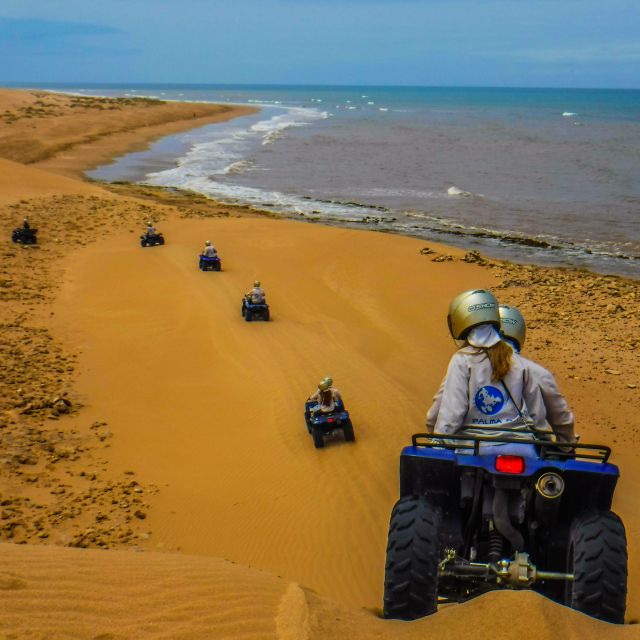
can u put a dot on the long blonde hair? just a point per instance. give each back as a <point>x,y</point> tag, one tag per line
<point>500,357</point>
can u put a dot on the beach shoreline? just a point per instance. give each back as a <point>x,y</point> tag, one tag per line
<point>78,478</point>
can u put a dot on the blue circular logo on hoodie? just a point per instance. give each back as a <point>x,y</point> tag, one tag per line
<point>489,400</point>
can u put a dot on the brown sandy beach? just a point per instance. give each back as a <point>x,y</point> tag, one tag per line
<point>185,434</point>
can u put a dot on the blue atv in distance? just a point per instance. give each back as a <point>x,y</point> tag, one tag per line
<point>327,424</point>
<point>151,239</point>
<point>209,263</point>
<point>252,311</point>
<point>23,235</point>
<point>473,517</point>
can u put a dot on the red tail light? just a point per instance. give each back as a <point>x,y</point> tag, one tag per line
<point>509,464</point>
<point>330,420</point>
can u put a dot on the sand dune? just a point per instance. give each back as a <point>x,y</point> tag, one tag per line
<point>50,592</point>
<point>210,407</point>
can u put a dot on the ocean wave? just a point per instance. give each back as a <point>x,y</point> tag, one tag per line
<point>569,114</point>
<point>237,167</point>
<point>274,128</point>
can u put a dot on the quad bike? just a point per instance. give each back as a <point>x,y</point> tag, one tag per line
<point>209,263</point>
<point>151,240</point>
<point>254,311</point>
<point>24,236</point>
<point>478,513</point>
<point>320,425</point>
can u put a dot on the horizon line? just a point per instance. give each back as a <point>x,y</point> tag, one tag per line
<point>35,84</point>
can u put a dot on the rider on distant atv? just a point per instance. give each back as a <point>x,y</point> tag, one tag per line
<point>326,397</point>
<point>257,294</point>
<point>25,224</point>
<point>209,250</point>
<point>150,230</point>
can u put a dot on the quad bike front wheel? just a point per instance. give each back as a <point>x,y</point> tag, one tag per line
<point>597,556</point>
<point>411,569</point>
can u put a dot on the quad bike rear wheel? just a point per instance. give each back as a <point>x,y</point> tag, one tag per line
<point>347,430</point>
<point>597,556</point>
<point>318,437</point>
<point>413,553</point>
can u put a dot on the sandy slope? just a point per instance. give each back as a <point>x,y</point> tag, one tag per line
<point>209,407</point>
<point>109,595</point>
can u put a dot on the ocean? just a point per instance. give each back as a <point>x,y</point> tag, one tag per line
<point>546,176</point>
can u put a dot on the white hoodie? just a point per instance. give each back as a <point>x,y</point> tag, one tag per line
<point>554,410</point>
<point>471,399</point>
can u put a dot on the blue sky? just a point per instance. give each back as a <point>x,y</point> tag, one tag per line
<point>553,43</point>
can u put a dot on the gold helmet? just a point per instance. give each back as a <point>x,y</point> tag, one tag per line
<point>207,242</point>
<point>512,324</point>
<point>471,308</point>
<point>149,223</point>
<point>256,283</point>
<point>325,383</point>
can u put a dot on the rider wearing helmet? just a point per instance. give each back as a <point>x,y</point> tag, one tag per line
<point>25,224</point>
<point>209,250</point>
<point>558,414</point>
<point>325,396</point>
<point>487,390</point>
<point>256,295</point>
<point>150,230</point>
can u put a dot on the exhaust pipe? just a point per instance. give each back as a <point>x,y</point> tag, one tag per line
<point>550,486</point>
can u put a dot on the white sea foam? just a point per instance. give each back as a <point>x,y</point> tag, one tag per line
<point>457,192</point>
<point>216,152</point>
<point>237,167</point>
<point>273,129</point>
<point>568,114</point>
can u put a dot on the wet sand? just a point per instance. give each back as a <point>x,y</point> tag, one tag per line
<point>185,434</point>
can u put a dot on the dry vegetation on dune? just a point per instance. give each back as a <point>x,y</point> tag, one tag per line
<point>54,483</point>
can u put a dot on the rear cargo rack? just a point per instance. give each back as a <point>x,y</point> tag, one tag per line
<point>546,448</point>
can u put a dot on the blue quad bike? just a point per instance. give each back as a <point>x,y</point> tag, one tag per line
<point>473,518</point>
<point>252,311</point>
<point>24,236</point>
<point>151,240</point>
<point>321,425</point>
<point>209,263</point>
